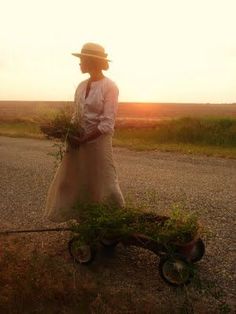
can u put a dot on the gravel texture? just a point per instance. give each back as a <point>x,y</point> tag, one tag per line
<point>159,180</point>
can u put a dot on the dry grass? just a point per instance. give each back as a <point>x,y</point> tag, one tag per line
<point>44,279</point>
<point>40,280</point>
<point>38,276</point>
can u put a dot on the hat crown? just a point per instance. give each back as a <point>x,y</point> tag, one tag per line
<point>94,49</point>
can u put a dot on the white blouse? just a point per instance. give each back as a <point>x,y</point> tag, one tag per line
<point>99,109</point>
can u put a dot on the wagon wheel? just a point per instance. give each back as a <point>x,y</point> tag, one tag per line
<point>195,253</point>
<point>109,242</point>
<point>198,251</point>
<point>81,253</point>
<point>176,270</point>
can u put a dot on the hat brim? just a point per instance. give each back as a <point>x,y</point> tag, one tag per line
<point>90,55</point>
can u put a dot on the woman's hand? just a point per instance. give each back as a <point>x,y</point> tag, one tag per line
<point>74,141</point>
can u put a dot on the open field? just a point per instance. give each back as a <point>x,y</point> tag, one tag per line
<point>30,109</point>
<point>188,128</point>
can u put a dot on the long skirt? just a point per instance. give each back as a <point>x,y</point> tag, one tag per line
<point>88,175</point>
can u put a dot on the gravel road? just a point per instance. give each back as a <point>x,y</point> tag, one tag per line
<point>159,180</point>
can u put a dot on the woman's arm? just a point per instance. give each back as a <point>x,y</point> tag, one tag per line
<point>74,141</point>
<point>89,137</point>
<point>107,118</point>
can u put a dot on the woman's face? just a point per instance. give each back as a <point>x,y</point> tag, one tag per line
<point>85,64</point>
<point>88,64</point>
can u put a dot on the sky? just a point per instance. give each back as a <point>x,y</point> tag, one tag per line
<point>161,50</point>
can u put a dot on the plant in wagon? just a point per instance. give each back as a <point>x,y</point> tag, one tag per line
<point>97,220</point>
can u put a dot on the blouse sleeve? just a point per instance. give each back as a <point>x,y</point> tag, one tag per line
<point>75,114</point>
<point>107,118</point>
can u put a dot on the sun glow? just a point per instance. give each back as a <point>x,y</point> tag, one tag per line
<point>162,50</point>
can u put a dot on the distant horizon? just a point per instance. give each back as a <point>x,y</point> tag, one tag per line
<point>129,102</point>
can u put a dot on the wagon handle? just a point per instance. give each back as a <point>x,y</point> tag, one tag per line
<point>34,230</point>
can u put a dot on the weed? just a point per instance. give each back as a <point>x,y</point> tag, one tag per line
<point>101,220</point>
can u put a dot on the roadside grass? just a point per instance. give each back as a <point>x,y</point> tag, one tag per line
<point>26,129</point>
<point>192,149</point>
<point>199,131</point>
<point>209,136</point>
<point>37,275</point>
<point>47,281</point>
<point>41,282</point>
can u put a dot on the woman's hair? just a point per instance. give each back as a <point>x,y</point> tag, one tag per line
<point>100,64</point>
<point>95,63</point>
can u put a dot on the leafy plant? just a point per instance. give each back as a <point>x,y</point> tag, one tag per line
<point>61,128</point>
<point>101,220</point>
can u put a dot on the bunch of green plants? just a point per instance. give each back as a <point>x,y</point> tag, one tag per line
<point>61,127</point>
<point>97,221</point>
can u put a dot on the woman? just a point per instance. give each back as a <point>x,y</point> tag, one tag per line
<point>87,172</point>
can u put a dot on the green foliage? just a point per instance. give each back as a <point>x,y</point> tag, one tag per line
<point>209,131</point>
<point>60,149</point>
<point>20,129</point>
<point>182,226</point>
<point>102,220</point>
<point>98,220</point>
<point>197,131</point>
<point>61,127</point>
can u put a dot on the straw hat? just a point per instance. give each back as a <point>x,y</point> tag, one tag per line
<point>92,50</point>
